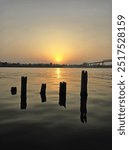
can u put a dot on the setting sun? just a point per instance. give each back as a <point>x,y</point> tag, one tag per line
<point>58,58</point>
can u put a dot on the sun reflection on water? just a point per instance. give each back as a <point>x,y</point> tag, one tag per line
<point>58,72</point>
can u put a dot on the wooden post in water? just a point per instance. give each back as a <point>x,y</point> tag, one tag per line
<point>62,94</point>
<point>43,92</point>
<point>23,92</point>
<point>83,94</point>
<point>13,90</point>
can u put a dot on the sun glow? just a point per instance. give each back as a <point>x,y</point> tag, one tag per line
<point>58,58</point>
<point>58,72</point>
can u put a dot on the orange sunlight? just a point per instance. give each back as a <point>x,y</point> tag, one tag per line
<point>58,58</point>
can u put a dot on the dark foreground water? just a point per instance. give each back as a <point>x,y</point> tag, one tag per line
<point>44,126</point>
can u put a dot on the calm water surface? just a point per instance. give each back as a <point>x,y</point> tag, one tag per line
<point>48,125</point>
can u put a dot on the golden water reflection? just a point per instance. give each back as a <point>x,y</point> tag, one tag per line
<point>58,73</point>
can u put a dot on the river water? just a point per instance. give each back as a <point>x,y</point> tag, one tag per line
<point>48,125</point>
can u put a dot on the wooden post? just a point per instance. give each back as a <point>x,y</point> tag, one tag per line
<point>43,92</point>
<point>13,90</point>
<point>84,95</point>
<point>23,92</point>
<point>62,94</point>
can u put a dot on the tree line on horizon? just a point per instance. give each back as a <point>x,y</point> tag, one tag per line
<point>85,64</point>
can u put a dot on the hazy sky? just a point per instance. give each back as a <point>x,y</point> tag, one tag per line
<point>63,31</point>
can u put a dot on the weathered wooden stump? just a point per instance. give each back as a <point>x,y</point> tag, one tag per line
<point>84,95</point>
<point>23,92</point>
<point>43,92</point>
<point>13,90</point>
<point>62,94</point>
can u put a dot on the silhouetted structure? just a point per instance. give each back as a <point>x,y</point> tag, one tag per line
<point>83,94</point>
<point>43,92</point>
<point>62,94</point>
<point>23,92</point>
<point>13,90</point>
<point>95,64</point>
<point>100,63</point>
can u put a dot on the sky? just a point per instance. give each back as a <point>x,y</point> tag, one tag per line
<point>57,31</point>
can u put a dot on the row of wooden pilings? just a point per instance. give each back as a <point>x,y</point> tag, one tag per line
<point>62,94</point>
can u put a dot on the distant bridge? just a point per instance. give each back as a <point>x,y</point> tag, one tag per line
<point>99,62</point>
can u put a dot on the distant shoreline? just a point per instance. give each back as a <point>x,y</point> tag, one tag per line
<point>54,67</point>
<point>98,64</point>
